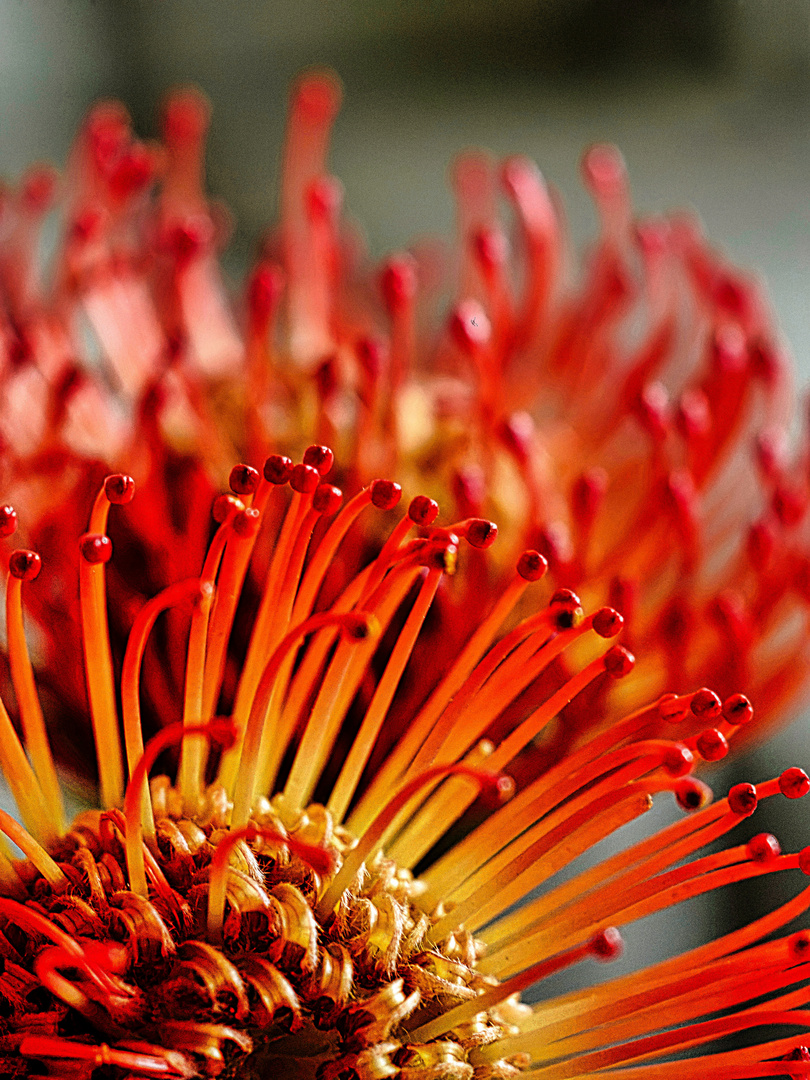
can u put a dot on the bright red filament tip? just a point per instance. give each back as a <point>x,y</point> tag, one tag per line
<point>712,745</point>
<point>119,488</point>
<point>304,479</point>
<point>737,709</point>
<point>800,944</point>
<point>278,469</point>
<point>246,523</point>
<point>423,511</point>
<point>706,704</point>
<point>742,799</point>
<point>225,506</point>
<point>385,494</point>
<point>95,548</point>
<point>481,533</point>
<point>24,565</point>
<point>320,458</point>
<point>327,499</point>
<point>678,760</point>
<point>619,662</point>
<point>399,282</point>
<point>8,520</point>
<point>763,848</point>
<point>692,794</point>
<point>804,861</point>
<point>607,622</point>
<point>794,783</point>
<point>532,566</point>
<point>470,326</point>
<point>607,944</point>
<point>243,480</point>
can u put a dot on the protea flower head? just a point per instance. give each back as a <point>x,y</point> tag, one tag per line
<point>382,730</point>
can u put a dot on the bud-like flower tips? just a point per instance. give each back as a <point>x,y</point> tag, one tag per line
<point>304,479</point>
<point>246,523</point>
<point>692,794</point>
<point>119,488</point>
<point>672,708</point>
<point>794,783</point>
<point>24,565</point>
<point>737,709</point>
<point>95,548</point>
<point>742,799</point>
<point>423,511</point>
<point>619,662</point>
<point>470,326</point>
<point>399,281</point>
<point>264,292</point>
<point>804,861</point>
<point>712,745</point>
<point>327,499</point>
<point>225,506</point>
<point>278,469</point>
<point>607,622</point>
<point>763,848</point>
<point>706,704</point>
<point>799,948</point>
<point>607,944</point>
<point>8,520</point>
<point>678,760</point>
<point>385,494</point>
<point>532,566</point>
<point>243,480</point>
<point>320,458</point>
<point>481,533</point>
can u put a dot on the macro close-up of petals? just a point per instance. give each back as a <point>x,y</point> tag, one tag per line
<point>375,621</point>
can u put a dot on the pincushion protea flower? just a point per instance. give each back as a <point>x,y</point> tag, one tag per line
<point>286,904</point>
<point>627,421</point>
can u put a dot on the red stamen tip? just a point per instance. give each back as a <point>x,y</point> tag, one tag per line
<point>672,708</point>
<point>619,662</point>
<point>804,861</point>
<point>186,116</point>
<point>712,745</point>
<point>794,783</point>
<point>531,566</point>
<point>225,506</point>
<point>799,948</point>
<point>246,523</point>
<point>24,565</point>
<point>481,533</point>
<point>491,247</point>
<point>737,709</point>
<point>607,622</point>
<point>95,548</point>
<point>706,704</point>
<point>496,789</point>
<point>742,799</point>
<point>264,292</point>
<point>119,489</point>
<point>304,479</point>
<point>8,520</point>
<point>470,326</point>
<point>692,794</point>
<point>320,458</point>
<point>278,469</point>
<point>763,848</point>
<point>678,760</point>
<point>385,494</point>
<point>607,944</point>
<point>360,625</point>
<point>243,480</point>
<point>327,499</point>
<point>422,510</point>
<point>399,281</point>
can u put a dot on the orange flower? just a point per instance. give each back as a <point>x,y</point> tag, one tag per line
<point>389,733</point>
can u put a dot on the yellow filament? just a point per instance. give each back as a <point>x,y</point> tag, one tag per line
<point>33,723</point>
<point>21,780</point>
<point>34,852</point>
<point>375,714</point>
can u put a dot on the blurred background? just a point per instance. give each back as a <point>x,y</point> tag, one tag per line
<point>708,99</point>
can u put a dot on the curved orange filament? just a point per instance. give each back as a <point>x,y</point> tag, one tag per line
<point>137,1062</point>
<point>222,731</point>
<point>375,715</point>
<point>371,840</point>
<point>245,786</point>
<point>130,679</point>
<point>33,723</point>
<point>457,677</point>
<point>319,858</point>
